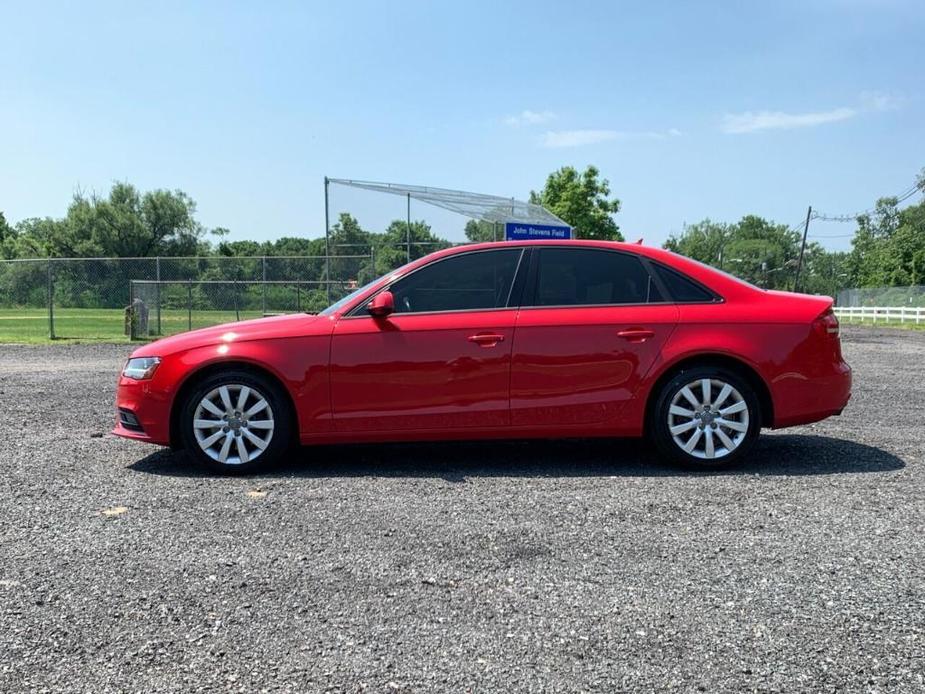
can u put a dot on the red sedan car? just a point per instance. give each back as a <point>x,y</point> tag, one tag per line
<point>503,340</point>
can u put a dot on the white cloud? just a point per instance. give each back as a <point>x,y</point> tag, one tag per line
<point>530,118</point>
<point>578,138</point>
<point>878,101</point>
<point>753,121</point>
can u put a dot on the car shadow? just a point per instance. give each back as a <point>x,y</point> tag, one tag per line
<point>774,455</point>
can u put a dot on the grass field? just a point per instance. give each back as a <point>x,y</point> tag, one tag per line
<point>908,325</point>
<point>30,325</point>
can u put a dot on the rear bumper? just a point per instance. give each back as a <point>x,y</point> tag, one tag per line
<point>142,412</point>
<point>803,399</point>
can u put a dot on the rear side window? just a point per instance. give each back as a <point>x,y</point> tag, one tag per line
<point>682,290</point>
<point>467,282</point>
<point>585,276</point>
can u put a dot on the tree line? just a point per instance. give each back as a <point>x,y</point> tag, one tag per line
<point>888,248</point>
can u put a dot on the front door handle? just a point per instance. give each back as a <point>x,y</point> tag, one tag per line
<point>486,339</point>
<point>636,334</point>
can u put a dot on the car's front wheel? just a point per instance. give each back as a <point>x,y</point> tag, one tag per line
<point>706,418</point>
<point>236,422</point>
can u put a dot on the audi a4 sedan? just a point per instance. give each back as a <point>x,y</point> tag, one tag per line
<point>542,339</point>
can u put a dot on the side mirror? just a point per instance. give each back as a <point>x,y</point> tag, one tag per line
<point>382,305</point>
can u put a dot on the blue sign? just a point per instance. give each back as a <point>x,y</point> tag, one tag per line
<point>523,231</point>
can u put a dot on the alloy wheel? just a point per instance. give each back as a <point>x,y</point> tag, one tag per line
<point>233,424</point>
<point>708,418</point>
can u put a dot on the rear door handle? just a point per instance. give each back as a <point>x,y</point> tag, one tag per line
<point>636,334</point>
<point>486,339</point>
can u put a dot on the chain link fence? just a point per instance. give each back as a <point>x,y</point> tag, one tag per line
<point>89,298</point>
<point>909,296</point>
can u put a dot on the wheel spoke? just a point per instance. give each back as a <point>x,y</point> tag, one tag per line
<point>260,424</point>
<point>689,396</point>
<point>705,390</point>
<point>732,409</point>
<point>209,440</point>
<point>211,407</point>
<point>730,424</point>
<point>223,454</point>
<point>692,441</point>
<point>226,398</point>
<point>257,407</point>
<point>723,395</point>
<point>681,428</point>
<point>242,398</point>
<point>207,424</point>
<point>256,440</point>
<point>727,442</point>
<point>242,449</point>
<point>708,449</point>
<point>680,411</point>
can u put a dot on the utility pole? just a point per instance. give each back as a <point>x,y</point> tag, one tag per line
<point>408,232</point>
<point>327,242</point>
<point>796,280</point>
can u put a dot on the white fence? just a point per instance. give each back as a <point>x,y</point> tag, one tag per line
<point>880,314</point>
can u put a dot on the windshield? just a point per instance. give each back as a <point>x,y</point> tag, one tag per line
<point>340,303</point>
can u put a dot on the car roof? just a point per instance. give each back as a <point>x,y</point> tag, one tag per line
<point>715,279</point>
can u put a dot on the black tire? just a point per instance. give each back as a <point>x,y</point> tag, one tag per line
<point>277,411</point>
<point>662,419</point>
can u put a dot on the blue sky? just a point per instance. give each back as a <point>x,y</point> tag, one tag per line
<point>691,110</point>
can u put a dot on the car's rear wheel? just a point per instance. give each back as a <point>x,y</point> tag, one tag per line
<point>236,422</point>
<point>706,418</point>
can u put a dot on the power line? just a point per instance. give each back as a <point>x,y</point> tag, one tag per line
<point>902,197</point>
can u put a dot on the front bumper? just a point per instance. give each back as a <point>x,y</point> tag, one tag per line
<point>142,411</point>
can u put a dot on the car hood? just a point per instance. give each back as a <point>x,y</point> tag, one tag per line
<point>290,325</point>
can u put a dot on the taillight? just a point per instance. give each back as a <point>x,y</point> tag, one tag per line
<point>827,323</point>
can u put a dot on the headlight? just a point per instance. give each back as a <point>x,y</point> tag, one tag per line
<point>141,368</point>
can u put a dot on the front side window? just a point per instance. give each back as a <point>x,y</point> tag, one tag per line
<point>586,276</point>
<point>467,282</point>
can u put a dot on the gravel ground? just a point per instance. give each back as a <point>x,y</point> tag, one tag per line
<point>568,566</point>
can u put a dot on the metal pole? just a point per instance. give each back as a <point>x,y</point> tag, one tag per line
<point>796,280</point>
<point>408,231</point>
<point>131,310</point>
<point>189,304</point>
<point>237,310</point>
<point>51,302</point>
<point>327,240</point>
<point>158,270</point>
<point>264,301</point>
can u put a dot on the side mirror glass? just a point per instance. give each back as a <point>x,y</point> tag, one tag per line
<point>382,305</point>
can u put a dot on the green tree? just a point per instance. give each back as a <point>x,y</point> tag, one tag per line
<point>348,238</point>
<point>6,231</point>
<point>824,272</point>
<point>582,200</point>
<point>704,241</point>
<point>127,223</point>
<point>391,248</point>
<point>754,249</point>
<point>480,231</point>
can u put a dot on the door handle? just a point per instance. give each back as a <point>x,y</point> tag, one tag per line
<point>486,339</point>
<point>636,334</point>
